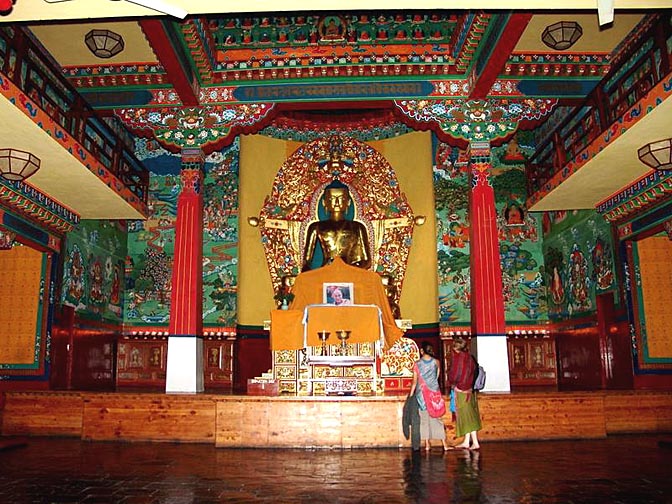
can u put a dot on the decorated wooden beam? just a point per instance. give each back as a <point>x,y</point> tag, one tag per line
<point>505,32</point>
<point>465,121</point>
<point>180,74</point>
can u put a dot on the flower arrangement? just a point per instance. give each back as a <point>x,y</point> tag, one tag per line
<point>283,297</point>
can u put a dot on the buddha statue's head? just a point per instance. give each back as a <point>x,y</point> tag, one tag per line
<point>336,199</point>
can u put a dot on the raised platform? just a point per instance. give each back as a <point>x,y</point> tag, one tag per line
<point>320,422</point>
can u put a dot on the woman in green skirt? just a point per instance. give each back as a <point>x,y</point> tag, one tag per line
<point>462,375</point>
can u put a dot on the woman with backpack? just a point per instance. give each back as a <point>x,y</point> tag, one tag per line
<point>461,376</point>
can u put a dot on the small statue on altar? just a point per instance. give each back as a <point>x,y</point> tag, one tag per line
<point>391,292</point>
<point>337,236</point>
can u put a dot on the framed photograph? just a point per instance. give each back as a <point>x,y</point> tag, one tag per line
<point>340,294</point>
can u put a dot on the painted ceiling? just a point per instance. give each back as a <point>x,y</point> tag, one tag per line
<point>167,62</point>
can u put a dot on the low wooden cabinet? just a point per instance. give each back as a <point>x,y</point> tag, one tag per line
<point>532,361</point>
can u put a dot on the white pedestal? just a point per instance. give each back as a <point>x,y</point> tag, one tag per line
<point>492,353</point>
<point>184,369</point>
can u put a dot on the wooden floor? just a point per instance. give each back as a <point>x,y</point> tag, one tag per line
<point>321,422</point>
<point>617,470</point>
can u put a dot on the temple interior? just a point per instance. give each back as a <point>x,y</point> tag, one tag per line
<point>286,205</point>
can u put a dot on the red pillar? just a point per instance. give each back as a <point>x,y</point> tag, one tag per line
<point>487,297</point>
<point>185,344</point>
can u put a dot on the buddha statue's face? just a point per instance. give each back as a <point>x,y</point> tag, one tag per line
<point>336,200</point>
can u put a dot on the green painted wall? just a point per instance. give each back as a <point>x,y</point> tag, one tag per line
<point>151,242</point>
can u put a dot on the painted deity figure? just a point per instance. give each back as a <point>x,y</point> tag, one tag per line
<point>337,235</point>
<point>578,275</point>
<point>96,291</point>
<point>76,286</point>
<point>602,265</point>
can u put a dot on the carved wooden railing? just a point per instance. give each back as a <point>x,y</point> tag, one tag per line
<point>23,61</point>
<point>633,74</point>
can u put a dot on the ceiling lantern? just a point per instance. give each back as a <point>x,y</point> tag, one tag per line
<point>562,35</point>
<point>104,43</point>
<point>657,155</point>
<point>17,165</point>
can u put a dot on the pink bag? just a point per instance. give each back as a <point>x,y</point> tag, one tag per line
<point>436,406</point>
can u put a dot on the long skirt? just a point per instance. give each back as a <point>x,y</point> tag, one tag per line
<point>468,417</point>
<point>431,428</point>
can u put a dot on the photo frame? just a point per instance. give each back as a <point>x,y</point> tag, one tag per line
<point>338,293</point>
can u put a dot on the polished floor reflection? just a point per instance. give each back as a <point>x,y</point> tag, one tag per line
<point>631,469</point>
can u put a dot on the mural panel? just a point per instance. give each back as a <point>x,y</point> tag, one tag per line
<point>151,242</point>
<point>519,234</point>
<point>220,239</point>
<point>579,258</point>
<point>94,270</point>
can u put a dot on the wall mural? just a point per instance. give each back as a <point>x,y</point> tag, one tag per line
<point>151,242</point>
<point>220,239</point>
<point>519,233</point>
<point>94,270</point>
<point>451,193</point>
<point>579,258</point>
<point>150,254</point>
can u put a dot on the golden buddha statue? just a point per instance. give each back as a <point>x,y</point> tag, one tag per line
<point>337,236</point>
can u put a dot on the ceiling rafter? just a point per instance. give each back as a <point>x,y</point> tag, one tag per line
<point>186,86</point>
<point>501,47</point>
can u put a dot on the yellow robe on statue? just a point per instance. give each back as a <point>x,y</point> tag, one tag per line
<point>368,289</point>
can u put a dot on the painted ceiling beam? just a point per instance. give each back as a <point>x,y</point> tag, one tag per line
<point>34,10</point>
<point>180,75</point>
<point>492,64</point>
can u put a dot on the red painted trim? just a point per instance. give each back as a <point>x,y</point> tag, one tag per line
<point>497,61</point>
<point>320,107</point>
<point>163,49</point>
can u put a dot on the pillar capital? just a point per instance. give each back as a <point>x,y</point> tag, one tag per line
<point>192,159</point>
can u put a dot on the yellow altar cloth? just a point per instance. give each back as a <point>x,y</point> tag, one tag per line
<point>287,329</point>
<point>368,290</point>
